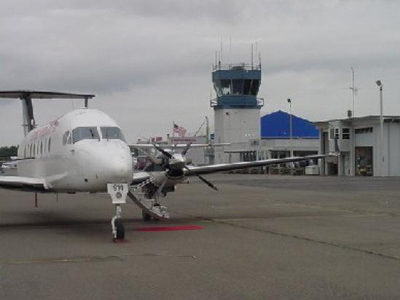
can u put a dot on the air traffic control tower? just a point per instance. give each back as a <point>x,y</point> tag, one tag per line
<point>236,110</point>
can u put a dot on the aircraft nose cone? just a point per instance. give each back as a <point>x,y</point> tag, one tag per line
<point>119,169</point>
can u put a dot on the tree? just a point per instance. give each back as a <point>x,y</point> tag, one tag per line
<point>8,151</point>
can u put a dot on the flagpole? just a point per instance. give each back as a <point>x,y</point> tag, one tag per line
<point>173,132</point>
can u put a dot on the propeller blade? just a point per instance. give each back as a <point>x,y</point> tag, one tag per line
<point>204,180</point>
<point>186,148</point>
<point>169,155</point>
<point>162,185</point>
<point>207,182</point>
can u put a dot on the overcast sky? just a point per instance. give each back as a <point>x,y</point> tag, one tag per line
<point>149,62</point>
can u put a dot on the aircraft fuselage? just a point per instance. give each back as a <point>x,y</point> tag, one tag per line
<point>81,151</point>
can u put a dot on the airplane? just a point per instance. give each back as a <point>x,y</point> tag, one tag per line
<point>85,151</point>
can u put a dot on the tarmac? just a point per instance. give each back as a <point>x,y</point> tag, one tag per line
<point>258,237</point>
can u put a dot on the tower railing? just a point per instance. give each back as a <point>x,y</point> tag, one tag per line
<point>214,102</point>
<point>236,66</point>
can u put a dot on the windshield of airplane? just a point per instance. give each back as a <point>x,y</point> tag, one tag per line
<point>109,133</point>
<point>85,133</point>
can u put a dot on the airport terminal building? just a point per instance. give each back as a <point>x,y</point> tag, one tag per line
<point>364,151</point>
<point>274,140</point>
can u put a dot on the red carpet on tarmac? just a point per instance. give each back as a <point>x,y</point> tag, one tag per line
<point>170,228</point>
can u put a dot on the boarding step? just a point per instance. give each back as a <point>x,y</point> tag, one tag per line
<point>137,187</point>
<point>150,206</point>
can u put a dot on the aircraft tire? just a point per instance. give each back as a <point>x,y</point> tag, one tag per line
<point>120,230</point>
<point>146,217</point>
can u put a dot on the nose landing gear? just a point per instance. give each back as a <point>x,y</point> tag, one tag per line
<point>118,230</point>
<point>118,193</point>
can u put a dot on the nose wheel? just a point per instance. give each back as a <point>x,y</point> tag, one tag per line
<point>118,229</point>
<point>118,194</point>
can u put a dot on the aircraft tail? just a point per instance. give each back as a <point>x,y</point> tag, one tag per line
<point>27,108</point>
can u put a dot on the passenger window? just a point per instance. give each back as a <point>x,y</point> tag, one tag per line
<point>85,133</point>
<point>112,133</point>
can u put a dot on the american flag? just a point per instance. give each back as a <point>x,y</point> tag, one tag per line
<point>179,130</point>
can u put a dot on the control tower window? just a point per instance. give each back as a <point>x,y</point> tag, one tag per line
<point>85,133</point>
<point>223,87</point>
<point>255,85</point>
<point>112,133</point>
<point>237,87</point>
<point>227,87</point>
<point>246,87</point>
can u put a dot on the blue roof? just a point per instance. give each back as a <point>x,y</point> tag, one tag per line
<point>277,126</point>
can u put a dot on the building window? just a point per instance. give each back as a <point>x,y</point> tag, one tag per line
<point>345,133</point>
<point>331,133</point>
<point>363,130</point>
<point>337,136</point>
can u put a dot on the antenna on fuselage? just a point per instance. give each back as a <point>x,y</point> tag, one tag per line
<point>27,107</point>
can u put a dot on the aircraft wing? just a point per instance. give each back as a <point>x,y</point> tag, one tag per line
<point>22,183</point>
<point>177,146</point>
<point>192,170</point>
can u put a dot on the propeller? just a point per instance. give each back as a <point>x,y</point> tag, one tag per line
<point>170,156</point>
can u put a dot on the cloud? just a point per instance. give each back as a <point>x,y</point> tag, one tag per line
<point>153,59</point>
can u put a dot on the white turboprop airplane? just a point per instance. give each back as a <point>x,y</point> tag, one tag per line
<point>85,151</point>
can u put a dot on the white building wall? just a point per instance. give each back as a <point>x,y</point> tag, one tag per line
<point>365,139</point>
<point>235,126</point>
<point>393,134</point>
<point>389,147</point>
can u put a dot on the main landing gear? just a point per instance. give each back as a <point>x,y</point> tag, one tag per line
<point>118,193</point>
<point>151,209</point>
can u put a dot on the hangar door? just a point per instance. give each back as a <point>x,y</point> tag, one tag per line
<point>364,161</point>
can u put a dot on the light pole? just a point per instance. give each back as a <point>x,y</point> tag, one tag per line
<point>354,91</point>
<point>380,85</point>
<point>290,126</point>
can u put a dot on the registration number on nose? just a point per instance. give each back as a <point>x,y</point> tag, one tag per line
<point>118,192</point>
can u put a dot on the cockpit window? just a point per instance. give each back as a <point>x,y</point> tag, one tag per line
<point>85,133</point>
<point>109,133</point>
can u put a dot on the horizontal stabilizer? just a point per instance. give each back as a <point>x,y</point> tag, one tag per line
<point>23,94</point>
